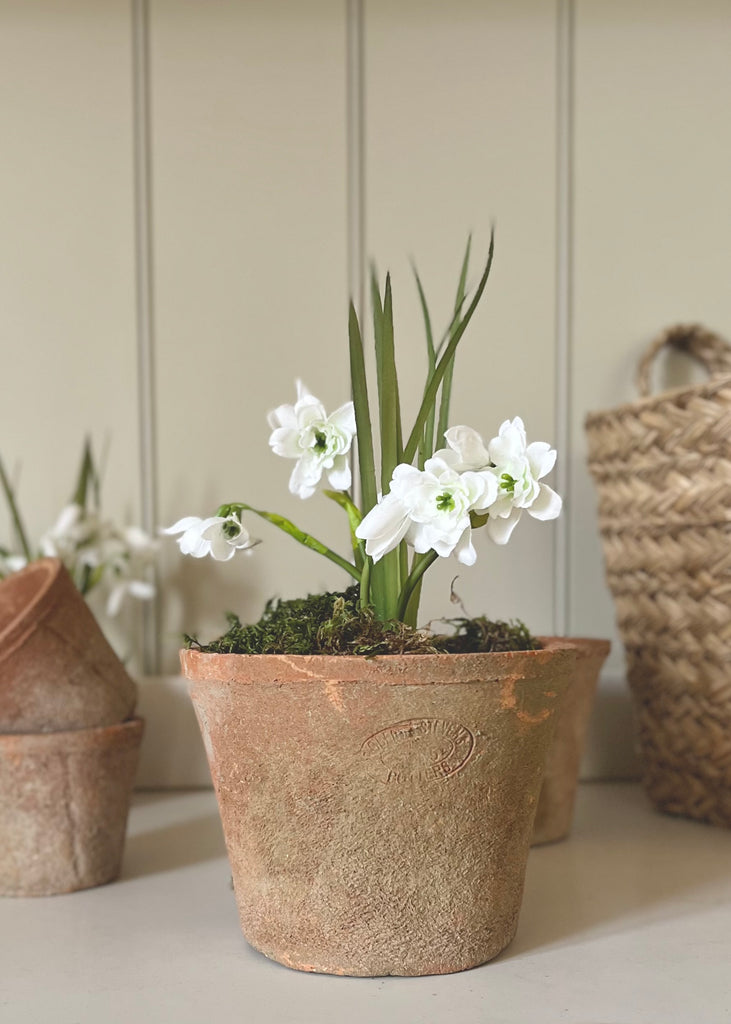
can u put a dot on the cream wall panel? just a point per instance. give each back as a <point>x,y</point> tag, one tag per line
<point>461,131</point>
<point>249,148</point>
<point>66,252</point>
<point>652,220</point>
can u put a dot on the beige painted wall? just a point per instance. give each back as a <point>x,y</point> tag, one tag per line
<point>256,183</point>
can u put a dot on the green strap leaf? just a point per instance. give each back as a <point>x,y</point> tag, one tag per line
<point>237,507</point>
<point>368,489</point>
<point>386,575</point>
<point>388,393</point>
<point>426,446</point>
<point>446,395</point>
<point>343,499</point>
<point>15,513</point>
<point>432,388</point>
<point>87,478</point>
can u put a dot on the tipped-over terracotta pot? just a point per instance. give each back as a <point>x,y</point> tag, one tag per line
<point>64,799</point>
<point>378,812</point>
<point>556,803</point>
<point>57,670</point>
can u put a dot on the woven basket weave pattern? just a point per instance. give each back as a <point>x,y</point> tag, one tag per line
<point>662,467</point>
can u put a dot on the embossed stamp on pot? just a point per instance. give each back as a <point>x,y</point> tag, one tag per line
<point>423,749</point>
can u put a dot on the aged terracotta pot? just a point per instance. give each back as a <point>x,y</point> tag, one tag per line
<point>57,671</point>
<point>378,812</point>
<point>64,798</point>
<point>558,793</point>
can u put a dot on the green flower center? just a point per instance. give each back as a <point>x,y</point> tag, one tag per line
<point>507,483</point>
<point>445,502</point>
<point>231,529</point>
<point>320,441</point>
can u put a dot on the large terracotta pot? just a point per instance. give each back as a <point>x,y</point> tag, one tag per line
<point>378,812</point>
<point>57,671</point>
<point>64,799</point>
<point>556,803</point>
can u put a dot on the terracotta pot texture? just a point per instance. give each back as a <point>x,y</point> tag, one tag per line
<point>57,671</point>
<point>378,812</point>
<point>64,799</point>
<point>556,803</point>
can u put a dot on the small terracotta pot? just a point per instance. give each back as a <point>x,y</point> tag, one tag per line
<point>64,799</point>
<point>378,812</point>
<point>57,671</point>
<point>558,793</point>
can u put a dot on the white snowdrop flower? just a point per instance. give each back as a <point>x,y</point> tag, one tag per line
<point>320,443</point>
<point>67,533</point>
<point>519,467</point>
<point>218,536</point>
<point>430,508</point>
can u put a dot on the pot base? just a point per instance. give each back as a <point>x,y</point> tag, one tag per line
<point>64,799</point>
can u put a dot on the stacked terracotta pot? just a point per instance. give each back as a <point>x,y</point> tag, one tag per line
<point>69,741</point>
<point>555,811</point>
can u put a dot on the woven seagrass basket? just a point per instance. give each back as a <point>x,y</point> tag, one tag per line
<point>662,467</point>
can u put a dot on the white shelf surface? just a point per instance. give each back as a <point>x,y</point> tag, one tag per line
<point>627,922</point>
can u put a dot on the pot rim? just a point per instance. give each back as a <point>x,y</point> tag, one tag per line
<point>49,571</point>
<point>120,734</point>
<point>200,666</point>
<point>586,646</point>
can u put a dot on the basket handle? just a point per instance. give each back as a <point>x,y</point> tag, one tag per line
<point>710,349</point>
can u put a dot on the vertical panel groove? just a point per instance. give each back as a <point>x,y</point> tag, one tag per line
<point>355,164</point>
<point>356,152</point>
<point>564,287</point>
<point>145,305</point>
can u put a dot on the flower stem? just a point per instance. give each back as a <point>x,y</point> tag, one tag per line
<point>365,584</point>
<point>420,567</point>
<point>15,513</point>
<point>237,507</point>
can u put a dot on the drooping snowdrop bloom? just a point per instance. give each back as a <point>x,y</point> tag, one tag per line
<point>218,536</point>
<point>430,508</point>
<point>11,563</point>
<point>128,562</point>
<point>519,467</point>
<point>320,443</point>
<point>71,530</point>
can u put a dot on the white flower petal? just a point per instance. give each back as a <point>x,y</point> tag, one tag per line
<point>116,599</point>
<point>499,530</point>
<point>284,441</point>
<point>305,476</point>
<point>464,550</point>
<point>283,416</point>
<point>510,442</point>
<point>344,419</point>
<point>141,589</point>
<point>310,412</point>
<point>541,458</point>
<point>384,527</point>
<point>469,446</point>
<point>182,524</point>
<point>339,477</point>
<point>547,505</point>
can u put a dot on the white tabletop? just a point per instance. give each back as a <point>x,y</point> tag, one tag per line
<point>628,922</point>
